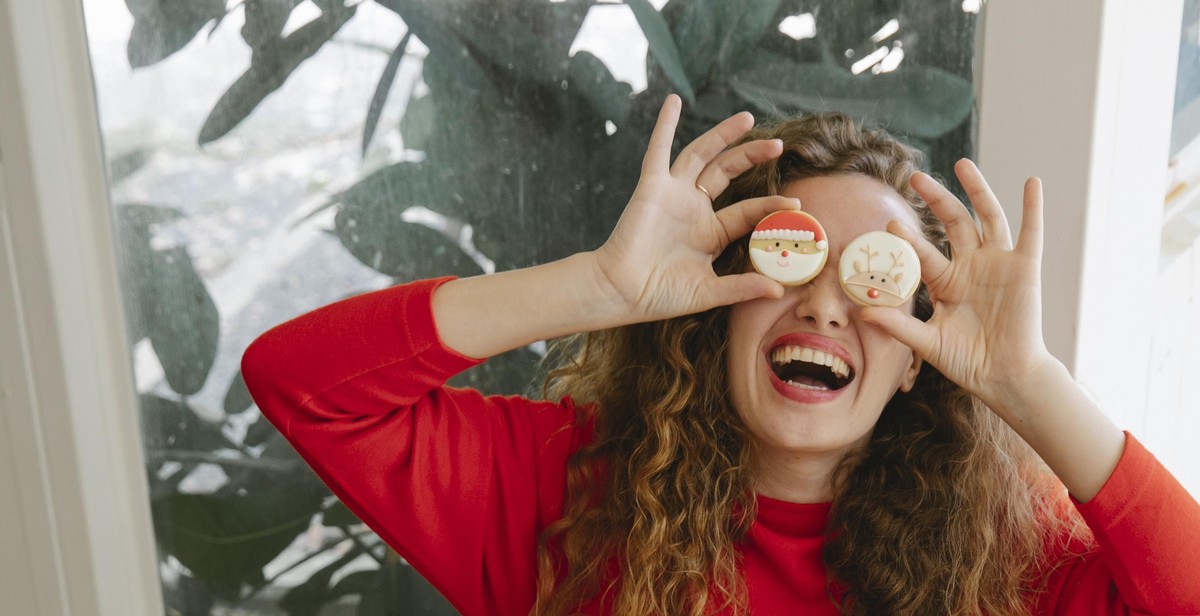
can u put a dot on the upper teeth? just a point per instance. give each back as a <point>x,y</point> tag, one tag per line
<point>790,352</point>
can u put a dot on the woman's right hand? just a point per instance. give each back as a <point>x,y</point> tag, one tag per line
<point>657,264</point>
<point>658,260</point>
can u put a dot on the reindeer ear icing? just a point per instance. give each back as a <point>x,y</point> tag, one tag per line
<point>879,269</point>
<point>789,247</point>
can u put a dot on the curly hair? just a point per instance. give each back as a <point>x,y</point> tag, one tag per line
<point>946,510</point>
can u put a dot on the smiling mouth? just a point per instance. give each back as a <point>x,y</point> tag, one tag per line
<point>808,368</point>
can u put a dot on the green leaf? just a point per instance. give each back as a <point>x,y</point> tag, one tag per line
<point>355,583</point>
<point>591,79</point>
<point>375,109</point>
<point>520,47</point>
<point>259,432</point>
<point>226,541</point>
<point>913,100</point>
<point>338,515</point>
<point>172,425</point>
<point>162,27</point>
<point>505,374</point>
<point>170,303</point>
<point>370,225</point>
<point>715,35</point>
<point>416,127</point>
<point>308,597</point>
<point>237,397</point>
<point>188,596</point>
<point>662,46</point>
<point>181,319</point>
<point>270,67</point>
<point>265,20</point>
<point>399,589</point>
<point>445,48</point>
<point>135,222</point>
<point>122,166</point>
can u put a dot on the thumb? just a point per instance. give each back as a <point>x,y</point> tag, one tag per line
<point>914,333</point>
<point>734,288</point>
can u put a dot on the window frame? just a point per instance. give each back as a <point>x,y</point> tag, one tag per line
<point>73,480</point>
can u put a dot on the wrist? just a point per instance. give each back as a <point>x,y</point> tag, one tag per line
<point>1018,396</point>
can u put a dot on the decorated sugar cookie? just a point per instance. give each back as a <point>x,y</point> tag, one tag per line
<point>789,247</point>
<point>879,269</point>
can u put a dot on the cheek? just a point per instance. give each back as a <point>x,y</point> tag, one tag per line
<point>890,359</point>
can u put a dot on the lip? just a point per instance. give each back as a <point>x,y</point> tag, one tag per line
<point>821,343</point>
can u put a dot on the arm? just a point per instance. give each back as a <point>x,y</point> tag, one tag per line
<point>985,335</point>
<point>459,483</point>
<point>1145,525</point>
<point>657,263</point>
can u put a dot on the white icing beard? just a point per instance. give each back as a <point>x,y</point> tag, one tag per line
<point>792,268</point>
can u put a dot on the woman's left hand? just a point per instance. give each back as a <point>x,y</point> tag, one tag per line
<point>986,329</point>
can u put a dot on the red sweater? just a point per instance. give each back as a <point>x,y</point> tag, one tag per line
<point>461,484</point>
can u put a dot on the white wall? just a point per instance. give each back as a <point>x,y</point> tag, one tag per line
<point>1096,128</point>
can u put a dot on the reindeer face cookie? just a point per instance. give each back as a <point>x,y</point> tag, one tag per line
<point>789,247</point>
<point>879,269</point>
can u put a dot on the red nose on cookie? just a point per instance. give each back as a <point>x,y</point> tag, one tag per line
<point>873,293</point>
<point>783,254</point>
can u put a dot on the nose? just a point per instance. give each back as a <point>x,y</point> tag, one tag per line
<point>822,303</point>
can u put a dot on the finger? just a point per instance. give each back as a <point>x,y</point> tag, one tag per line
<point>987,206</point>
<point>740,218</point>
<point>912,332</point>
<point>933,263</point>
<point>729,164</point>
<point>734,288</point>
<point>706,147</point>
<point>658,152</point>
<point>960,227</point>
<point>1029,242</point>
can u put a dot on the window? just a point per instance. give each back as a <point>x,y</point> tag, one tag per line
<point>271,156</point>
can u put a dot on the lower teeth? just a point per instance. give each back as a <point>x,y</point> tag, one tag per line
<point>804,386</point>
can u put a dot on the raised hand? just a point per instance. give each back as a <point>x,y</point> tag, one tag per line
<point>986,329</point>
<point>658,261</point>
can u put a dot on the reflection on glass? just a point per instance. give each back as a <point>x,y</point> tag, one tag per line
<point>270,156</point>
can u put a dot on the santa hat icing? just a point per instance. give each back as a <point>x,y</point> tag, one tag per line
<point>792,227</point>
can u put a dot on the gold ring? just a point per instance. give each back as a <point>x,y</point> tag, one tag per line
<point>704,190</point>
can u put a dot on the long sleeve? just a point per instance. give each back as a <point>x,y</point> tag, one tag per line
<point>460,484</point>
<point>1147,554</point>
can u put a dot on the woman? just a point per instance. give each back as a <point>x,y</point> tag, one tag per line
<point>680,474</point>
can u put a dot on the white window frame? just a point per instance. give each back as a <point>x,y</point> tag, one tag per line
<point>75,527</point>
<point>1109,95</point>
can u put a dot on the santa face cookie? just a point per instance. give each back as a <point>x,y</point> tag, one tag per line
<point>789,247</point>
<point>879,269</point>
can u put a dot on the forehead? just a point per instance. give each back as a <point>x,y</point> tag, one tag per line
<point>849,205</point>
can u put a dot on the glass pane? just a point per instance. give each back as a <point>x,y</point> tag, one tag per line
<point>271,156</point>
<point>1186,123</point>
